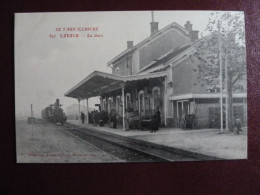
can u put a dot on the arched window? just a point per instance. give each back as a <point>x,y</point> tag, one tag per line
<point>109,104</point>
<point>118,103</point>
<point>141,101</point>
<point>128,101</point>
<point>156,97</point>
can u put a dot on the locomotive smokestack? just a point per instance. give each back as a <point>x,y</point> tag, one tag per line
<point>57,103</point>
<point>31,110</point>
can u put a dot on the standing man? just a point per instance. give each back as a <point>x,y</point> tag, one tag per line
<point>237,126</point>
<point>115,116</point>
<point>154,122</point>
<point>82,117</point>
<point>110,119</point>
<point>95,118</point>
<point>158,113</point>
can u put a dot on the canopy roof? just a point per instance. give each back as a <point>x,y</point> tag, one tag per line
<point>98,83</point>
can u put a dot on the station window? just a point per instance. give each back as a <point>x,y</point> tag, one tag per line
<point>128,101</point>
<point>156,97</point>
<point>118,104</point>
<point>141,101</point>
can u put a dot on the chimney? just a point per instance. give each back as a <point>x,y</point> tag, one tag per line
<point>130,44</point>
<point>154,27</point>
<point>194,35</point>
<point>188,26</point>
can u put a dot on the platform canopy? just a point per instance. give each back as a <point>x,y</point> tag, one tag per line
<point>98,83</point>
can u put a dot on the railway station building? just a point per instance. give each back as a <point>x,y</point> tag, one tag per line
<point>158,73</point>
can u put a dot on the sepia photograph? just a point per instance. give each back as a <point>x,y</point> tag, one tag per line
<point>130,86</point>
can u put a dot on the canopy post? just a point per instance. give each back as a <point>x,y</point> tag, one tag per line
<point>79,108</point>
<point>165,101</point>
<point>87,110</point>
<point>100,101</point>
<point>177,104</point>
<point>123,103</point>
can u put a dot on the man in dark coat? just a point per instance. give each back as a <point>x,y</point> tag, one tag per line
<point>110,119</point>
<point>158,113</point>
<point>82,117</point>
<point>94,117</point>
<point>98,117</point>
<point>114,118</point>
<point>154,122</point>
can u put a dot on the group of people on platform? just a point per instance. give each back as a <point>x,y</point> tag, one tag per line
<point>155,120</point>
<point>95,117</point>
<point>100,118</point>
<point>113,119</point>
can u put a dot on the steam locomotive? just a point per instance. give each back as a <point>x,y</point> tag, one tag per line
<point>54,113</point>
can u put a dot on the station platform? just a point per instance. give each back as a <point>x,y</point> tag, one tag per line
<point>204,142</point>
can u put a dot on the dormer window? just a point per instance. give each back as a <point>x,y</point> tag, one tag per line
<point>213,89</point>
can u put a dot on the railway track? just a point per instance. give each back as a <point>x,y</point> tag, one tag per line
<point>123,148</point>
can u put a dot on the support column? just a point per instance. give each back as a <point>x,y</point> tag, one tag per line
<point>101,103</point>
<point>106,102</point>
<point>177,104</point>
<point>79,108</point>
<point>123,103</point>
<point>87,110</point>
<point>109,102</point>
<point>165,101</point>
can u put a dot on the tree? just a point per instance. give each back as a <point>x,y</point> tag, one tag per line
<point>225,42</point>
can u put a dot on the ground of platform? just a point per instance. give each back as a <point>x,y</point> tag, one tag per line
<point>202,141</point>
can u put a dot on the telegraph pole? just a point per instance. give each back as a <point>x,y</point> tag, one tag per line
<point>220,79</point>
<point>32,119</point>
<point>227,98</point>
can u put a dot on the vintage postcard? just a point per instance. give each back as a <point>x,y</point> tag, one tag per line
<point>130,86</point>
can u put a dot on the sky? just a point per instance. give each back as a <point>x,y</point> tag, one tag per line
<point>46,67</point>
